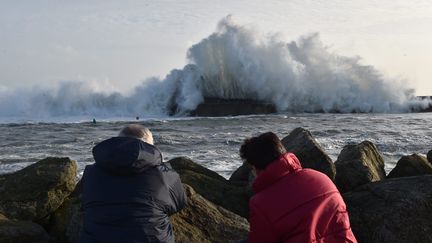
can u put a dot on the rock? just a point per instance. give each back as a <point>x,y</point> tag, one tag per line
<point>232,107</point>
<point>12,231</point>
<point>212,186</point>
<point>243,175</point>
<point>392,210</point>
<point>428,108</point>
<point>67,221</point>
<point>411,165</point>
<point>203,221</point>
<point>429,156</point>
<point>184,164</point>
<point>357,165</point>
<point>301,143</point>
<point>36,191</point>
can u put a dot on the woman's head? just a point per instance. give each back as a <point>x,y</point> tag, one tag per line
<point>260,151</point>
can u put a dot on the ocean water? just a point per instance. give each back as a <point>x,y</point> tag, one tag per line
<point>299,76</point>
<point>214,142</point>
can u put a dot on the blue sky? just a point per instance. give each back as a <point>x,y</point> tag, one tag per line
<point>121,43</point>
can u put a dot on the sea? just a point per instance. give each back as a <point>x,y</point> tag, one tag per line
<point>214,142</point>
<point>339,99</point>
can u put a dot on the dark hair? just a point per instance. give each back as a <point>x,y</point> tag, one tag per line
<point>260,151</point>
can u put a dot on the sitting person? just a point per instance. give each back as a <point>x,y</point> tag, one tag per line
<point>291,204</point>
<point>128,193</point>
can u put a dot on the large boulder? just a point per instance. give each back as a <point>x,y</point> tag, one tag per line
<point>13,231</point>
<point>392,210</point>
<point>301,143</point>
<point>411,165</point>
<point>225,107</point>
<point>203,221</point>
<point>243,176</point>
<point>36,191</point>
<point>429,156</point>
<point>66,222</point>
<point>184,165</point>
<point>212,186</point>
<point>357,165</point>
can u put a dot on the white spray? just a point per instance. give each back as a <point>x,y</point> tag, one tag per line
<point>233,62</point>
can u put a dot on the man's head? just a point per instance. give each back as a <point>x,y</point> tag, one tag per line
<point>137,131</point>
<point>260,151</point>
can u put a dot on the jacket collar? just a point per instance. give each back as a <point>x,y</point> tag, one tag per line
<point>284,165</point>
<point>126,156</point>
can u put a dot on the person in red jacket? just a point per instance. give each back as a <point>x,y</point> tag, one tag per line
<point>291,204</point>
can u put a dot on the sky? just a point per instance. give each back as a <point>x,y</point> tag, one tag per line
<point>121,43</point>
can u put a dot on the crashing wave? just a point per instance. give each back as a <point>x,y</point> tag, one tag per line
<point>235,62</point>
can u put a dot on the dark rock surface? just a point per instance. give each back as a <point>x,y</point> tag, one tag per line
<point>243,175</point>
<point>429,156</point>
<point>13,231</point>
<point>392,210</point>
<point>357,165</point>
<point>36,191</point>
<point>212,186</point>
<point>411,165</point>
<point>67,222</point>
<point>232,107</point>
<point>427,109</point>
<point>301,142</point>
<point>203,221</point>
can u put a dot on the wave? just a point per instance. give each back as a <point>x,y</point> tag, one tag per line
<point>235,62</point>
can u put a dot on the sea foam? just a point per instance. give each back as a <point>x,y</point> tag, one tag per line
<point>235,62</point>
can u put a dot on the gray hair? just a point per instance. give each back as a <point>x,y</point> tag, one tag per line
<point>137,131</point>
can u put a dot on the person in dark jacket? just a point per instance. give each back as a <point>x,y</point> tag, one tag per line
<point>128,193</point>
<point>291,204</point>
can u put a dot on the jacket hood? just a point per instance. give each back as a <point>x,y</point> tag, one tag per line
<point>285,164</point>
<point>125,156</point>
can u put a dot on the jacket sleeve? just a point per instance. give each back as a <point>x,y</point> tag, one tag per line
<point>177,193</point>
<point>260,229</point>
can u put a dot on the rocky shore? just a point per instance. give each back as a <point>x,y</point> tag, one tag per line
<point>41,203</point>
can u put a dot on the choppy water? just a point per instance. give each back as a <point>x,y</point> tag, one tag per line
<point>214,142</point>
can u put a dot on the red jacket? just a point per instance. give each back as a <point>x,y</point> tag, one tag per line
<point>292,204</point>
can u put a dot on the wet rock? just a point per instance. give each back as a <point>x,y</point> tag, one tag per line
<point>184,164</point>
<point>243,175</point>
<point>212,186</point>
<point>36,191</point>
<point>229,107</point>
<point>357,165</point>
<point>429,156</point>
<point>301,143</point>
<point>67,221</point>
<point>203,221</point>
<point>13,231</point>
<point>392,210</point>
<point>411,165</point>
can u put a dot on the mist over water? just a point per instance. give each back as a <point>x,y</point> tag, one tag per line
<point>234,62</point>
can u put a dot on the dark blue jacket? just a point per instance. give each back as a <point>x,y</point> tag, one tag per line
<point>129,193</point>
